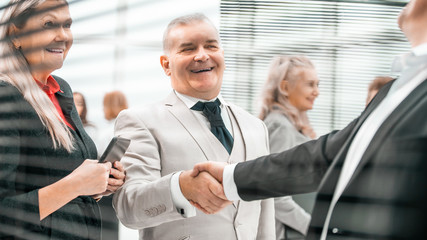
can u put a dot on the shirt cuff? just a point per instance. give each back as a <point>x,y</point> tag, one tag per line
<point>182,205</point>
<point>230,188</point>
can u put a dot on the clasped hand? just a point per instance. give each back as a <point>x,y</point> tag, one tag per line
<point>116,179</point>
<point>98,179</point>
<point>202,186</point>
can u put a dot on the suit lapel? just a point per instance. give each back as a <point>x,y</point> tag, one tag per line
<point>244,128</point>
<point>199,133</point>
<point>329,182</point>
<point>247,135</point>
<point>407,104</point>
<point>65,100</point>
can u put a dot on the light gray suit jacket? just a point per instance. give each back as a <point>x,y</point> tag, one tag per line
<point>283,135</point>
<point>166,138</point>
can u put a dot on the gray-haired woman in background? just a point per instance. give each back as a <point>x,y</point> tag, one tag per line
<point>289,91</point>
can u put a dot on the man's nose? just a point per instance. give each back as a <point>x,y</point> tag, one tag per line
<point>201,55</point>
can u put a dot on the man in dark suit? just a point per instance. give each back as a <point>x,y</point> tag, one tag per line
<point>371,177</point>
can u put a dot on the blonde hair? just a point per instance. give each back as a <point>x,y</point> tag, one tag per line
<point>114,102</point>
<point>15,70</point>
<point>272,95</point>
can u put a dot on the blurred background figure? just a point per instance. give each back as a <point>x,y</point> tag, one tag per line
<point>113,102</point>
<point>288,93</point>
<point>376,85</point>
<point>109,219</point>
<point>90,128</point>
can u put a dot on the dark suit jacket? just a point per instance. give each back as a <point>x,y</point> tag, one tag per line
<point>28,162</point>
<point>387,195</point>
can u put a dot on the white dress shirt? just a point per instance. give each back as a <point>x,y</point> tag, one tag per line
<point>413,74</point>
<point>181,203</point>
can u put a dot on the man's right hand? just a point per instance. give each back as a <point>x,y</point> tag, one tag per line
<point>203,191</point>
<point>216,169</point>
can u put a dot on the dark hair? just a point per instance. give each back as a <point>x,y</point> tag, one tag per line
<point>379,82</point>
<point>83,114</point>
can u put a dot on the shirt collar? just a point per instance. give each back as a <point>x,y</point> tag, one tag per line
<point>190,101</point>
<point>420,50</point>
<point>51,86</point>
<point>417,55</point>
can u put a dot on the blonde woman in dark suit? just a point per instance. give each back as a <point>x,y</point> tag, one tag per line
<point>289,91</point>
<point>49,186</point>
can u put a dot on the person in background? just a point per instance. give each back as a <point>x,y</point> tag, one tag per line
<point>193,124</point>
<point>49,186</point>
<point>375,86</point>
<point>109,219</point>
<point>114,102</point>
<point>90,128</point>
<point>288,93</point>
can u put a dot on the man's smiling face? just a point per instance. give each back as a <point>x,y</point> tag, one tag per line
<point>195,61</point>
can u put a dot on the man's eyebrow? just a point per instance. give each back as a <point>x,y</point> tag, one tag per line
<point>212,41</point>
<point>186,45</point>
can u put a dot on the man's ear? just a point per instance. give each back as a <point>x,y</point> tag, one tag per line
<point>164,61</point>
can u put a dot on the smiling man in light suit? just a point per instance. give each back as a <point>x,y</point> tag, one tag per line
<point>371,177</point>
<point>182,130</point>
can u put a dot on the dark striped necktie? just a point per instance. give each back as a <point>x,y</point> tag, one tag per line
<point>212,111</point>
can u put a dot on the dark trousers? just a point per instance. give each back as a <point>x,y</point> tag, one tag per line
<point>110,223</point>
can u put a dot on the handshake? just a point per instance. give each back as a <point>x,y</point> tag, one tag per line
<point>202,186</point>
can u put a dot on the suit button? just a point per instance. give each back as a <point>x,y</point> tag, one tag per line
<point>335,230</point>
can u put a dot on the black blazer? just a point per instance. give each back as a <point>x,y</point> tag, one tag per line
<point>386,197</point>
<point>28,162</point>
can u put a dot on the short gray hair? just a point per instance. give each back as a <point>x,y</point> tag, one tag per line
<point>183,20</point>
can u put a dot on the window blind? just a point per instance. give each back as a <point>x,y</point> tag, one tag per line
<point>350,42</point>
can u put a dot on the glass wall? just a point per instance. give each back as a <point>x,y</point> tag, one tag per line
<point>350,43</point>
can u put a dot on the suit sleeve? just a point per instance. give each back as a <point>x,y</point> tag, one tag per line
<point>19,211</point>
<point>145,198</point>
<point>298,170</point>
<point>291,214</point>
<point>282,137</point>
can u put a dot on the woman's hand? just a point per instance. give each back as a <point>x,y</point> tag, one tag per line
<point>91,177</point>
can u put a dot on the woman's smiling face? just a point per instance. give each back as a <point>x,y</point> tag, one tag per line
<point>46,37</point>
